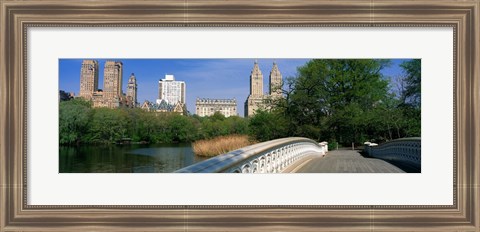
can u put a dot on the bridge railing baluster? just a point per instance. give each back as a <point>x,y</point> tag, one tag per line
<point>401,150</point>
<point>267,157</point>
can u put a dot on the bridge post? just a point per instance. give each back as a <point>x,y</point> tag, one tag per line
<point>324,147</point>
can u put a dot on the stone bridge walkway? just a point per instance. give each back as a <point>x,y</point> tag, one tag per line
<point>343,161</point>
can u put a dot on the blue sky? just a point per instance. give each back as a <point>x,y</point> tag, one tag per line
<point>204,78</point>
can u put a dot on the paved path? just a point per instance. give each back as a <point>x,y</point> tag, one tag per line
<point>345,161</point>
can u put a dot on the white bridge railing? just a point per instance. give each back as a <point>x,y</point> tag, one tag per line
<point>403,150</point>
<point>267,157</point>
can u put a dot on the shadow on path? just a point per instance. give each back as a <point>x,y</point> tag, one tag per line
<point>405,166</point>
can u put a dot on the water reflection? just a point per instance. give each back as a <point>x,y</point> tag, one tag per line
<point>126,158</point>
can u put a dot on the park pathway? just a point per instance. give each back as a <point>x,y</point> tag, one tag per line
<point>344,161</point>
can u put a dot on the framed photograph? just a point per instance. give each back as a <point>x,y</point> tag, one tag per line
<point>338,116</point>
<point>194,122</point>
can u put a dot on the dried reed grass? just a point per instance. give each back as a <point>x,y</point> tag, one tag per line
<point>220,145</point>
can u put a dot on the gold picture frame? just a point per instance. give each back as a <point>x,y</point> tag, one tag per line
<point>17,16</point>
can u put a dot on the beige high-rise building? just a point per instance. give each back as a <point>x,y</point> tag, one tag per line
<point>132,91</point>
<point>208,107</point>
<point>256,81</point>
<point>88,78</point>
<point>112,80</point>
<point>275,81</point>
<point>112,95</point>
<point>257,100</point>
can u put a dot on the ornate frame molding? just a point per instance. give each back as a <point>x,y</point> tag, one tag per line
<point>17,16</point>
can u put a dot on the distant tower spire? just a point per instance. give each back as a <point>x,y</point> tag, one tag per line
<point>275,81</point>
<point>256,99</point>
<point>256,81</point>
<point>132,90</point>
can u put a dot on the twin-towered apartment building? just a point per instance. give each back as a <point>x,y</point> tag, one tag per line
<point>172,93</point>
<point>257,99</point>
<point>111,96</point>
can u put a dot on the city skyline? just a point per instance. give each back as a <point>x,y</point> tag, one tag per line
<point>205,78</point>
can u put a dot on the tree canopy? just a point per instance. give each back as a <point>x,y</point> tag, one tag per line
<point>79,123</point>
<point>412,92</point>
<point>341,101</point>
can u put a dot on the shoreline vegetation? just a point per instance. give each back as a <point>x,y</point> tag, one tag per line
<point>220,145</point>
<point>339,101</point>
<point>80,123</point>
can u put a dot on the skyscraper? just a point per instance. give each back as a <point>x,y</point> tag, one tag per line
<point>171,91</point>
<point>256,81</point>
<point>275,81</point>
<point>256,98</point>
<point>88,78</point>
<point>132,91</point>
<point>112,80</point>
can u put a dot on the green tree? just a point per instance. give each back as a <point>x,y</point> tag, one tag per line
<point>412,92</point>
<point>134,119</point>
<point>215,125</point>
<point>74,117</point>
<point>336,97</point>
<point>181,129</point>
<point>410,106</point>
<point>217,117</point>
<point>264,125</point>
<point>107,125</point>
<point>150,127</point>
<point>236,125</point>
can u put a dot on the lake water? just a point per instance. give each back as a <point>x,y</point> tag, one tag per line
<point>156,158</point>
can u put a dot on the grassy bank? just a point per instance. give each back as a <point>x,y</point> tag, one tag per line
<point>220,145</point>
